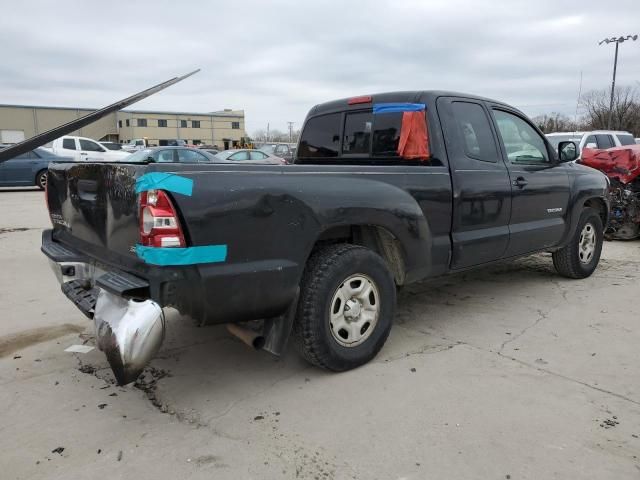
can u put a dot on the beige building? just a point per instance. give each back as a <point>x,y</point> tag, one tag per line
<point>225,128</point>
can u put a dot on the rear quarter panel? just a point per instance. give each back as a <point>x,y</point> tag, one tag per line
<point>270,217</point>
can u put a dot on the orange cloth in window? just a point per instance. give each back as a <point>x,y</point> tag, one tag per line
<point>414,137</point>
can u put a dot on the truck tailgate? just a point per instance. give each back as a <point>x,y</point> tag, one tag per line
<point>95,204</point>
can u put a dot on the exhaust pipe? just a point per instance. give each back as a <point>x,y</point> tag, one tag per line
<point>253,339</point>
<point>129,332</point>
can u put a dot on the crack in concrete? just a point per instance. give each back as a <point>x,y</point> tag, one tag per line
<point>424,350</point>
<point>233,404</point>
<point>542,316</point>
<point>565,377</point>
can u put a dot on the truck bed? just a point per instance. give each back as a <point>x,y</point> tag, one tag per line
<point>268,217</point>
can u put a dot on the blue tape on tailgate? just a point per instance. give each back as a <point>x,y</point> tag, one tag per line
<point>165,256</point>
<point>397,107</point>
<point>164,181</point>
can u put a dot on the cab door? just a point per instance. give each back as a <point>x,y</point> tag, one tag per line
<point>92,151</point>
<point>70,148</point>
<point>539,184</point>
<point>481,184</point>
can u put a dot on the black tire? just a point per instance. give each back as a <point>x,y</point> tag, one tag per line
<point>41,179</point>
<point>326,272</point>
<point>567,260</point>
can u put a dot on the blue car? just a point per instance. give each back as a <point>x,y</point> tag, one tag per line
<point>28,169</point>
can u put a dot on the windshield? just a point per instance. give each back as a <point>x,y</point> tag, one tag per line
<point>569,137</point>
<point>112,146</point>
<point>626,139</point>
<point>267,148</point>
<point>224,155</point>
<point>140,156</point>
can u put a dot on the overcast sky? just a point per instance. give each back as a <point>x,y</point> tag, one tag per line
<point>276,59</point>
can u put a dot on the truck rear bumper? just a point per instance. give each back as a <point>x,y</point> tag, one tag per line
<point>128,330</point>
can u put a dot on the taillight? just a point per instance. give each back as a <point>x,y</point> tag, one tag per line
<point>159,223</point>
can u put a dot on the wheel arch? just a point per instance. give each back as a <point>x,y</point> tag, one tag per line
<point>375,237</point>
<point>600,205</point>
<point>38,172</point>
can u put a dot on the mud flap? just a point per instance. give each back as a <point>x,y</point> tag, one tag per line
<point>277,330</point>
<point>129,332</point>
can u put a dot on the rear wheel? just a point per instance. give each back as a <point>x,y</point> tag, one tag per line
<point>580,257</point>
<point>346,307</point>
<point>41,179</point>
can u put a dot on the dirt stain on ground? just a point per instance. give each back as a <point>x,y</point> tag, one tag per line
<point>18,341</point>
<point>11,230</point>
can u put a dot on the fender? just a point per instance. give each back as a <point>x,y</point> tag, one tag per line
<point>584,187</point>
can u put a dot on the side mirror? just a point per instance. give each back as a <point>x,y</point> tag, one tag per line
<point>591,145</point>
<point>567,151</point>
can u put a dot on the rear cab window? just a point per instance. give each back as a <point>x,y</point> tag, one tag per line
<point>321,137</point>
<point>352,136</point>
<point>626,139</point>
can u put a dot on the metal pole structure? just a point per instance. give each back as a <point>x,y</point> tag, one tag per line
<point>617,41</point>
<point>290,132</point>
<point>613,86</point>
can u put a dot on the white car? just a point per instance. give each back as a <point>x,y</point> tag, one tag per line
<point>601,139</point>
<point>83,149</point>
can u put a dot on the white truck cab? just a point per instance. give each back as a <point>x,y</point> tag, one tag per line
<point>600,139</point>
<point>83,149</point>
<point>135,145</point>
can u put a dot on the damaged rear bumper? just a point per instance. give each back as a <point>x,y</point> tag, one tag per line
<point>129,328</point>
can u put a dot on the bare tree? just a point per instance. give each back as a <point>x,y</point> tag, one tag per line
<point>625,114</point>
<point>555,122</point>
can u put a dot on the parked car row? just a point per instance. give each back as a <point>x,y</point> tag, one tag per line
<point>28,169</point>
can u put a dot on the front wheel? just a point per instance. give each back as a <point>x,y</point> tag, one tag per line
<point>41,179</point>
<point>346,307</point>
<point>580,257</point>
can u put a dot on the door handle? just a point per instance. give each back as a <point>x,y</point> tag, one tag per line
<point>520,182</point>
<point>84,153</point>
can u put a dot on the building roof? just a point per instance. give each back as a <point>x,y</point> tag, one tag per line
<point>220,113</point>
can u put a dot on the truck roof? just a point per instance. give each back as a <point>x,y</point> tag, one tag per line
<point>617,132</point>
<point>428,96</point>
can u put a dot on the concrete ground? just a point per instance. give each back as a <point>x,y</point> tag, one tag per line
<point>508,372</point>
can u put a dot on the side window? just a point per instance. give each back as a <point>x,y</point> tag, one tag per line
<point>163,156</point>
<point>239,156</point>
<point>282,150</point>
<point>256,155</point>
<point>521,142</point>
<point>321,137</point>
<point>591,139</point>
<point>191,156</point>
<point>68,143</point>
<point>357,133</point>
<point>604,141</point>
<point>90,146</point>
<point>475,131</point>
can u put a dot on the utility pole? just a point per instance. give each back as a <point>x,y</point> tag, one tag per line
<point>617,41</point>
<point>290,131</point>
<point>267,132</point>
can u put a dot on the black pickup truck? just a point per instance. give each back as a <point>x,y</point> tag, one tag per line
<point>385,190</point>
